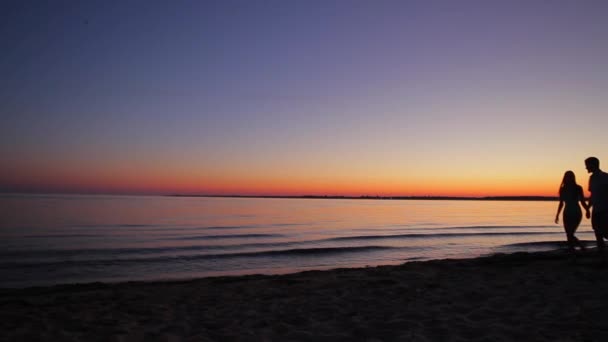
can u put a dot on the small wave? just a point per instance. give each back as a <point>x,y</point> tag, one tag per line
<point>416,258</point>
<point>233,236</point>
<point>60,236</point>
<point>160,228</point>
<point>226,227</point>
<point>312,251</point>
<point>424,227</point>
<point>236,227</point>
<point>436,235</point>
<point>433,226</point>
<point>544,243</point>
<point>266,253</point>
<point>118,225</point>
<point>497,227</point>
<point>54,253</point>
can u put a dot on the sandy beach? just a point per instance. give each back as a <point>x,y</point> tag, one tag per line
<point>524,296</point>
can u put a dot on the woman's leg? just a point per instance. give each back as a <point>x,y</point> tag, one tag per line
<point>571,242</point>
<point>571,222</point>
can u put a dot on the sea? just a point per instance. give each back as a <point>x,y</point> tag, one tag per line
<point>61,239</point>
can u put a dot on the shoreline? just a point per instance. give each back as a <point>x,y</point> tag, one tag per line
<point>542,296</point>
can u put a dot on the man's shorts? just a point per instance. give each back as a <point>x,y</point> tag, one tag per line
<point>599,222</point>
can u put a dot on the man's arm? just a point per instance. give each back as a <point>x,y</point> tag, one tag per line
<point>590,203</point>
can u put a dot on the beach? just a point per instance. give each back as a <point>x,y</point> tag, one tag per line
<point>543,296</point>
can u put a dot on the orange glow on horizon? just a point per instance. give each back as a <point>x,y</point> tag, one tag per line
<point>157,184</point>
<point>172,180</point>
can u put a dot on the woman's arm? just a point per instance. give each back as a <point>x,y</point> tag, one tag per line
<point>559,210</point>
<point>581,196</point>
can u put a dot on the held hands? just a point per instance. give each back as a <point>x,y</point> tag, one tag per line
<point>587,213</point>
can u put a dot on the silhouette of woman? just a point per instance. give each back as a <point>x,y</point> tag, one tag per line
<point>571,193</point>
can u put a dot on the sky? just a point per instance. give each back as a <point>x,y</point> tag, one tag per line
<point>333,97</point>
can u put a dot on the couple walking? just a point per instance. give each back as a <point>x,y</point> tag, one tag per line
<point>571,194</point>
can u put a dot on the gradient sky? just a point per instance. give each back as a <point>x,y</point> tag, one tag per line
<point>301,97</point>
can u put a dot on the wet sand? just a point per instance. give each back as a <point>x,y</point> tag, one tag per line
<point>524,296</point>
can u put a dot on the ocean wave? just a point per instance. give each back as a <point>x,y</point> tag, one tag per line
<point>169,228</point>
<point>434,235</point>
<point>426,228</point>
<point>105,253</point>
<point>250,226</point>
<point>233,236</point>
<point>188,258</point>
<point>308,251</point>
<point>560,243</point>
<point>66,253</point>
<point>498,227</point>
<point>61,236</point>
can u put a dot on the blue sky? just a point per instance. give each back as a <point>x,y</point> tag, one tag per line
<point>301,96</point>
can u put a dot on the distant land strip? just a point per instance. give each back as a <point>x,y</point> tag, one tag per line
<point>435,198</point>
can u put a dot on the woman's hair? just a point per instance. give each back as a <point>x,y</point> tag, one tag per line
<point>568,181</point>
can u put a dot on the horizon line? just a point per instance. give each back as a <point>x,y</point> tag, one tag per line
<point>309,196</point>
<point>378,197</point>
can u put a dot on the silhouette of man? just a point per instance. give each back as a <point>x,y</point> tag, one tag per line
<point>598,186</point>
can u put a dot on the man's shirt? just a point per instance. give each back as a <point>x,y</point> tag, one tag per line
<point>598,186</point>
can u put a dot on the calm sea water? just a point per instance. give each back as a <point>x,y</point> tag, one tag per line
<point>54,239</point>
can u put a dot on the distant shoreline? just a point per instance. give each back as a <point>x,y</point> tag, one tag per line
<point>433,198</point>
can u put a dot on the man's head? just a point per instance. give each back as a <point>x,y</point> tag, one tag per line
<point>592,164</point>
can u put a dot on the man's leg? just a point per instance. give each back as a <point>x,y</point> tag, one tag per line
<point>598,222</point>
<point>604,224</point>
<point>599,238</point>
